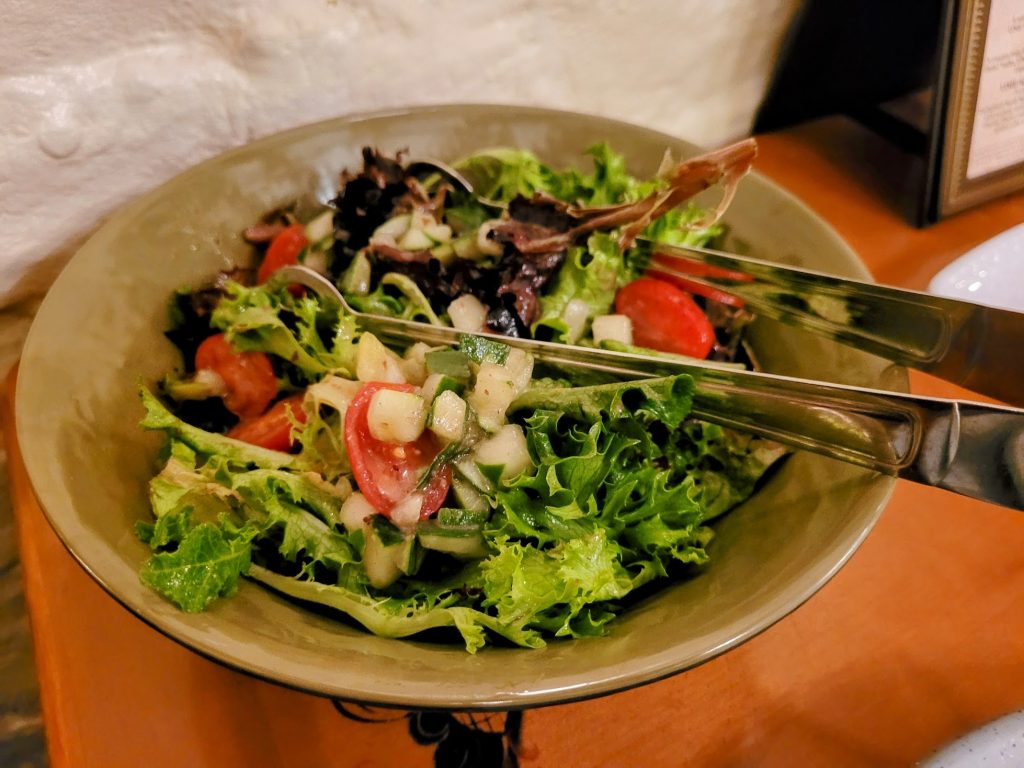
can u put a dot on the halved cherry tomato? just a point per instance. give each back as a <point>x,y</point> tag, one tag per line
<point>274,428</point>
<point>283,251</point>
<point>248,376</point>
<point>665,318</point>
<point>387,472</point>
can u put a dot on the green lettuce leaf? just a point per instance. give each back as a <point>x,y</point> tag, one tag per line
<point>503,173</point>
<point>549,588</point>
<point>206,565</point>
<point>158,417</point>
<point>591,274</point>
<point>307,335</point>
<point>405,301</point>
<point>400,617</point>
<point>724,465</point>
<point>666,399</point>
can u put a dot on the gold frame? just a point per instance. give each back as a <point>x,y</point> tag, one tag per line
<point>956,192</point>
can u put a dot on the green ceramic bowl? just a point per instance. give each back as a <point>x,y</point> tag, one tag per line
<point>99,333</point>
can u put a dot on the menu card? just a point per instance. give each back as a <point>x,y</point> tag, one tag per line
<point>997,138</point>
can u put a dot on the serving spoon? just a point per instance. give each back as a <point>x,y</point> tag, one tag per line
<point>969,448</point>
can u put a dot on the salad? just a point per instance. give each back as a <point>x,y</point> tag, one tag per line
<point>436,490</point>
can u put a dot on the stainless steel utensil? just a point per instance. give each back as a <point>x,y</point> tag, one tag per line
<point>969,448</point>
<point>978,347</point>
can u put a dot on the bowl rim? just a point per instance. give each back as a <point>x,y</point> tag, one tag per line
<point>34,457</point>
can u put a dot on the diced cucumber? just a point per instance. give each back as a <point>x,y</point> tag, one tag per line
<point>449,362</point>
<point>506,449</point>
<point>320,227</point>
<point>465,247</point>
<point>466,468</point>
<point>382,545</point>
<point>468,313</point>
<point>436,383</point>
<point>415,240</point>
<point>480,349</point>
<point>454,518</point>
<point>612,328</point>
<point>443,253</point>
<point>394,227</point>
<point>520,367</point>
<point>356,279</point>
<point>406,513</point>
<point>463,542</point>
<point>409,556</point>
<point>375,362</point>
<point>447,417</point>
<point>396,417</point>
<point>355,511</point>
<point>492,394</point>
<point>469,497</point>
<point>413,363</point>
<point>439,233</point>
<point>315,260</point>
<point>575,316</point>
<point>484,243</point>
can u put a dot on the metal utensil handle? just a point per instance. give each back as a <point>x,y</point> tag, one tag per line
<point>969,344</point>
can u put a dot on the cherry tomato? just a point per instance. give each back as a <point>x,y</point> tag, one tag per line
<point>665,318</point>
<point>248,376</point>
<point>387,472</point>
<point>273,429</point>
<point>283,251</point>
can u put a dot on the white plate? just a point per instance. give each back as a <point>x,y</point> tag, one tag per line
<point>992,273</point>
<point>1000,743</point>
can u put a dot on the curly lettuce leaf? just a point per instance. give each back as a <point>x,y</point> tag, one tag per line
<point>591,274</point>
<point>503,173</point>
<point>401,617</point>
<point>551,588</point>
<point>302,332</point>
<point>603,513</point>
<point>666,399</point>
<point>723,464</point>
<point>159,418</point>
<point>405,301</point>
<point>676,227</point>
<point>206,565</point>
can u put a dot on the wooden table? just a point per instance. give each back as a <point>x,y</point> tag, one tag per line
<point>919,639</point>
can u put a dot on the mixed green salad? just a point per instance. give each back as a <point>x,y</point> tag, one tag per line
<point>443,490</point>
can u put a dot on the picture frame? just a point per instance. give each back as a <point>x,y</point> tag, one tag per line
<point>976,139</point>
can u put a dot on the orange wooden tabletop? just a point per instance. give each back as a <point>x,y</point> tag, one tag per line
<point>919,639</point>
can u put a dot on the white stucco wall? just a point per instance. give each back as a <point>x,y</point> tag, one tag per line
<point>103,99</point>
